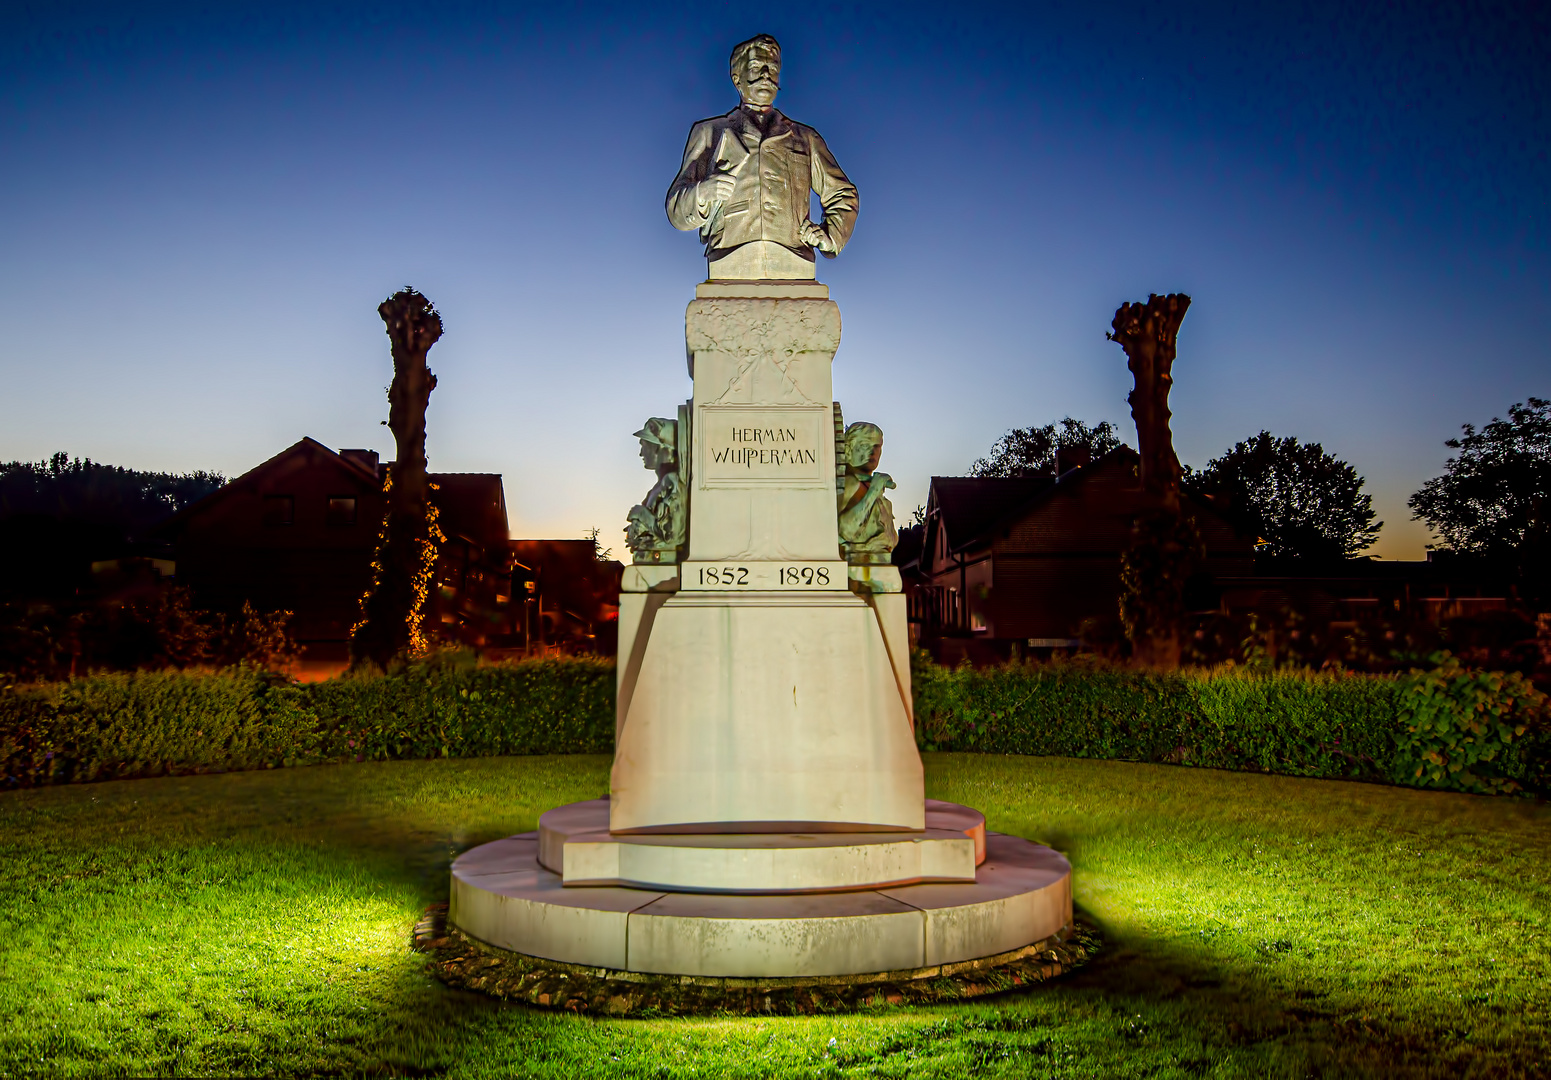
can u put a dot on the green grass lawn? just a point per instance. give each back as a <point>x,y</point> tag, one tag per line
<point>258,923</point>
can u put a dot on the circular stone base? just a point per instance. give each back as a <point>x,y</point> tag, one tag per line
<point>469,965</point>
<point>502,896</point>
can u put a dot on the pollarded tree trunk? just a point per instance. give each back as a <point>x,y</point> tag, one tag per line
<point>1164,542</point>
<point>406,552</point>
<point>1149,333</point>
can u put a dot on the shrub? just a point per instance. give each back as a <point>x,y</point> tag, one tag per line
<point>1288,721</point>
<point>1447,727</point>
<point>1469,730</point>
<point>120,725</point>
<point>150,632</point>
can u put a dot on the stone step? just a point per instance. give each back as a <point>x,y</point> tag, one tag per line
<point>575,842</point>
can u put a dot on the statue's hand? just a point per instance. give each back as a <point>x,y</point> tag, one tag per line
<point>887,481</point>
<point>715,189</point>
<point>815,237</point>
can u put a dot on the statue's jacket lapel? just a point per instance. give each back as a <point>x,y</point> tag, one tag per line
<point>770,198</point>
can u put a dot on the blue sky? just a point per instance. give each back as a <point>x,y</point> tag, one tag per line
<point>202,206</point>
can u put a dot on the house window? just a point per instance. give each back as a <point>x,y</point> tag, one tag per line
<point>341,510</point>
<point>279,511</point>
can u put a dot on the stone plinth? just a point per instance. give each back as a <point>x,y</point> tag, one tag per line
<point>503,896</point>
<point>759,260</point>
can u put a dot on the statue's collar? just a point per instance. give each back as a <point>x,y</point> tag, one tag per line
<point>766,124</point>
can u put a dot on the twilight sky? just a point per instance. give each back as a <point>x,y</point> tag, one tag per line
<point>202,205</point>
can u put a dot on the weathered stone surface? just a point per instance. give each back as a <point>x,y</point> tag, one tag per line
<point>751,936</point>
<point>505,898</point>
<point>750,327</point>
<point>793,290</point>
<point>574,842</point>
<point>1023,892</point>
<point>760,260</point>
<point>466,964</point>
<point>766,712</point>
<point>502,894</point>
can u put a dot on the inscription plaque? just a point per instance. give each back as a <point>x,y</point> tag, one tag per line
<point>744,446</point>
<point>730,575</point>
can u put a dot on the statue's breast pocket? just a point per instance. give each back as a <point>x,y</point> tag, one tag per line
<point>730,154</point>
<point>739,207</point>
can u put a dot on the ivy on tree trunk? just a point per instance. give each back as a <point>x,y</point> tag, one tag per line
<point>391,612</point>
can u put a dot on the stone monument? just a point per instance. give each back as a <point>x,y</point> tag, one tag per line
<point>766,815</point>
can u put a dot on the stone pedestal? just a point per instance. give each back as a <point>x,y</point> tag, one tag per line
<point>765,694</point>
<point>766,815</point>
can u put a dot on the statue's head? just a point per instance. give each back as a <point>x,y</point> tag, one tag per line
<point>659,442</point>
<point>756,70</point>
<point>864,446</point>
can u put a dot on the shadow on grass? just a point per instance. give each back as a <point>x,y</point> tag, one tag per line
<point>1245,1011</point>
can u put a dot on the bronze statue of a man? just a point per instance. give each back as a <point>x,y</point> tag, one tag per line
<point>746,175</point>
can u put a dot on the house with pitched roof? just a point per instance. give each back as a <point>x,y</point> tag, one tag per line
<point>298,533</point>
<point>1028,561</point>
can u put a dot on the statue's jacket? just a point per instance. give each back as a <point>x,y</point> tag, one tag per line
<point>773,172</point>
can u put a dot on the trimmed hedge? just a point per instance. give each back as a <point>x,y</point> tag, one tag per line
<point>115,726</point>
<point>1448,727</point>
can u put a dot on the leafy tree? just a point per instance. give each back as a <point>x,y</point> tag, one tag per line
<point>1300,501</point>
<point>599,552</point>
<point>58,515</point>
<point>1494,497</point>
<point>83,490</point>
<point>1031,451</point>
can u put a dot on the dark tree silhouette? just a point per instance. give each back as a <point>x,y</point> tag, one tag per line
<point>401,573</point>
<point>84,490</point>
<point>1301,502</point>
<point>1032,451</point>
<point>1164,542</point>
<point>1494,497</point>
<point>1149,334</point>
<point>59,515</point>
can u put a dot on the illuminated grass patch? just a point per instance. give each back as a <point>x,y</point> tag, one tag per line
<point>1257,926</point>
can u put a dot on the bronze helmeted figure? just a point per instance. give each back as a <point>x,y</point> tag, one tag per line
<point>655,529</point>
